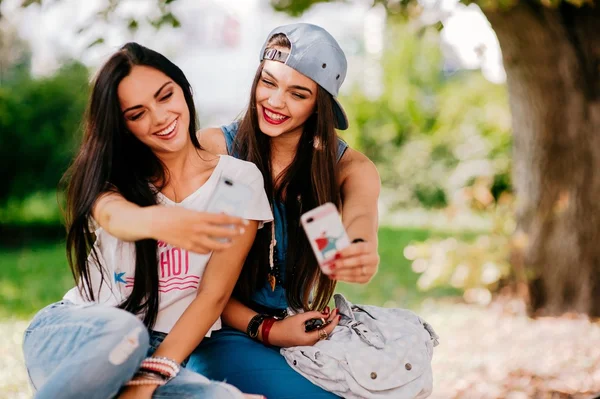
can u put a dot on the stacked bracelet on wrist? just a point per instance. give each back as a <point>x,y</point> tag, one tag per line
<point>163,365</point>
<point>147,378</point>
<point>254,324</point>
<point>266,329</point>
<point>155,371</point>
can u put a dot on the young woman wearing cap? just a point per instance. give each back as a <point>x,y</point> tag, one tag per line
<point>289,132</point>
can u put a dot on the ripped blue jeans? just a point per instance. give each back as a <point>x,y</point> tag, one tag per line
<point>91,351</point>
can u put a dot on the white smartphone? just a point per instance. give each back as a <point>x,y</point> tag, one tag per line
<point>326,234</point>
<point>230,197</point>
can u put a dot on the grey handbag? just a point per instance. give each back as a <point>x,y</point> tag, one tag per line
<point>374,352</point>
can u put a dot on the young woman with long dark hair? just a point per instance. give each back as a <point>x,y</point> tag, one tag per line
<point>153,270</point>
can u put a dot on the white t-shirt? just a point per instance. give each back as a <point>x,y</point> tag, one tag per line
<point>180,271</point>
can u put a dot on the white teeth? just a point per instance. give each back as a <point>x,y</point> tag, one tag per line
<point>273,116</point>
<point>168,130</point>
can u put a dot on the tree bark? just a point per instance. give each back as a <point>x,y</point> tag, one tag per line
<point>552,62</point>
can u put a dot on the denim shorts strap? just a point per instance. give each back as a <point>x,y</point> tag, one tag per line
<point>230,131</point>
<point>341,148</point>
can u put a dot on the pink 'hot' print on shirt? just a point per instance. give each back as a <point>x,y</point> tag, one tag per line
<point>174,266</point>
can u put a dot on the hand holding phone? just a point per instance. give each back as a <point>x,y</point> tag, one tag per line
<point>326,234</point>
<point>230,197</point>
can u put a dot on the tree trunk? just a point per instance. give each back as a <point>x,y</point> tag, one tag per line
<point>552,62</point>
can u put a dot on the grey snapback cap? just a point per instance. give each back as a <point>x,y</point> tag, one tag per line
<point>315,54</point>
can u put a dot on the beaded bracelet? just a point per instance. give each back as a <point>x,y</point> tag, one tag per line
<point>163,371</point>
<point>165,366</point>
<point>144,378</point>
<point>163,360</point>
<point>145,381</point>
<point>149,374</point>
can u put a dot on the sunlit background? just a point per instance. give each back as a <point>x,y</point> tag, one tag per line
<point>428,105</point>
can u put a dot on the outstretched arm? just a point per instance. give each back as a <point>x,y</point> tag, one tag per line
<point>360,188</point>
<point>183,228</point>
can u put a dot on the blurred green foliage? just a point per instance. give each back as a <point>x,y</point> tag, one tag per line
<point>298,7</point>
<point>431,133</point>
<point>40,125</point>
<point>37,207</point>
<point>441,139</point>
<point>478,266</point>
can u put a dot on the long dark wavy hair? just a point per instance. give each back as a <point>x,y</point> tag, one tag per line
<point>112,159</point>
<point>310,180</point>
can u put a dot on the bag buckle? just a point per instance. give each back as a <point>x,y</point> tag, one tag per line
<point>369,337</point>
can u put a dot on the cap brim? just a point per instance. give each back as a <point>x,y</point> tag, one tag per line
<point>341,120</point>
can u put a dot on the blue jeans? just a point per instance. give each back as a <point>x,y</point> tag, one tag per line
<point>230,355</point>
<point>91,351</point>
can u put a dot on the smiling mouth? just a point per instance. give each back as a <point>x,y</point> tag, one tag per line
<point>169,130</point>
<point>274,118</point>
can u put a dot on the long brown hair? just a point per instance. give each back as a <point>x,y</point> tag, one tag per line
<point>111,158</point>
<point>309,181</point>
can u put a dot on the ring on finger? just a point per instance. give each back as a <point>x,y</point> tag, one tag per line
<point>323,334</point>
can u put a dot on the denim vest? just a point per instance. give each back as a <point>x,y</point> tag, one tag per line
<point>265,296</point>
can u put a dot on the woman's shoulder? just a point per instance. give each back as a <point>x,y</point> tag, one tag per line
<point>212,140</point>
<point>355,163</point>
<point>218,140</point>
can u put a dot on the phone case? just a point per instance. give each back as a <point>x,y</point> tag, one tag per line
<point>314,324</point>
<point>230,197</point>
<point>326,234</point>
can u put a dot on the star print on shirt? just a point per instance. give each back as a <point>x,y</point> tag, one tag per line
<point>119,277</point>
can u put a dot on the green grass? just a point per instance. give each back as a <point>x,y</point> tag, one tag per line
<point>36,275</point>
<point>31,278</point>
<point>395,284</point>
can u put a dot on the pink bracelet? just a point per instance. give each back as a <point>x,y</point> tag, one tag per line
<point>163,360</point>
<point>166,371</point>
<point>161,364</point>
<point>145,381</point>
